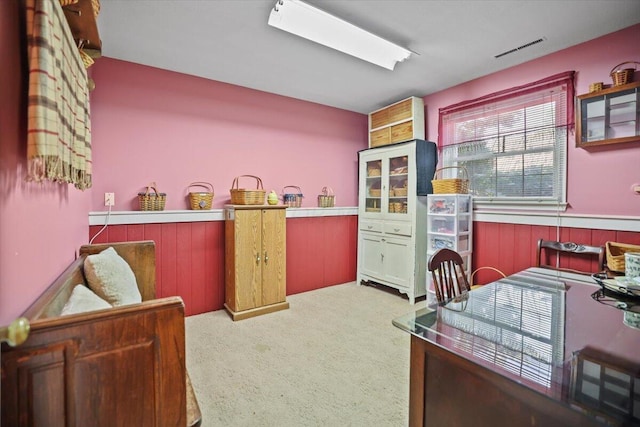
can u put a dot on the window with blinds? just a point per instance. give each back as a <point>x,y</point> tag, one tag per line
<point>512,144</point>
<point>516,326</point>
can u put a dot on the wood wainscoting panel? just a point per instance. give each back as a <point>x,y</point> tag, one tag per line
<point>513,247</point>
<point>189,259</point>
<point>321,251</point>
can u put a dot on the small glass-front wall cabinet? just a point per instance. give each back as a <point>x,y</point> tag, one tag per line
<point>609,116</point>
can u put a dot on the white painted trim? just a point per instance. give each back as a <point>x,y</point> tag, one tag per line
<point>595,222</point>
<point>155,217</point>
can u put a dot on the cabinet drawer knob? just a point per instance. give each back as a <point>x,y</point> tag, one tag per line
<point>396,229</point>
<point>369,227</point>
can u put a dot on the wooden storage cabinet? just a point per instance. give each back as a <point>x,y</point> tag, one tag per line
<point>255,260</point>
<point>402,121</point>
<point>609,116</point>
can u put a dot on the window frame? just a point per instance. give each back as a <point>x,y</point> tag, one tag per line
<point>496,102</point>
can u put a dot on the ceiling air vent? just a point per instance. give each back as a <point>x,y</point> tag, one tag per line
<point>515,49</point>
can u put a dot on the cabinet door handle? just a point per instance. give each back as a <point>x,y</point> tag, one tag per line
<point>257,258</point>
<point>266,257</point>
<point>381,257</point>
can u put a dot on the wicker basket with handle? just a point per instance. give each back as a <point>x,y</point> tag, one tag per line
<point>615,255</point>
<point>241,196</point>
<point>623,76</point>
<point>293,200</point>
<point>199,200</point>
<point>450,185</point>
<point>327,199</point>
<point>151,200</point>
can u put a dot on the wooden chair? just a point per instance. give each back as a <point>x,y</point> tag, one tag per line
<point>447,270</point>
<point>587,253</point>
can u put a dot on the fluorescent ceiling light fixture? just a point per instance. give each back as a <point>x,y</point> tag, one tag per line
<point>306,21</point>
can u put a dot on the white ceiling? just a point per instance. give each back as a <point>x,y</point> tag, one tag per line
<point>456,41</point>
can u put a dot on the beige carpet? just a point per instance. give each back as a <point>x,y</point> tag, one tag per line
<point>332,359</point>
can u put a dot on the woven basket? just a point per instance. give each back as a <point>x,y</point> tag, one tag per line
<point>151,200</point>
<point>374,192</point>
<point>327,199</point>
<point>595,87</point>
<point>241,196</point>
<point>373,172</point>
<point>623,76</point>
<point>615,255</point>
<point>199,200</point>
<point>399,191</point>
<point>293,200</point>
<point>450,185</point>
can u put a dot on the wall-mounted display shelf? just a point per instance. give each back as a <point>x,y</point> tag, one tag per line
<point>609,116</point>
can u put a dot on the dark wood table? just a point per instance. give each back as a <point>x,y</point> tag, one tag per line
<point>538,348</point>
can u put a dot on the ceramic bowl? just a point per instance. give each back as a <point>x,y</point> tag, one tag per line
<point>632,264</point>
<point>631,319</point>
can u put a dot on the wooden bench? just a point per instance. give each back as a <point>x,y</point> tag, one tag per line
<point>120,366</point>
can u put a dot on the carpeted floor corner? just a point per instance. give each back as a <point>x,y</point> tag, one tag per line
<point>332,359</point>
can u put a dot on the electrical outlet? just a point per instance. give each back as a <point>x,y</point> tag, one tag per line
<point>109,199</point>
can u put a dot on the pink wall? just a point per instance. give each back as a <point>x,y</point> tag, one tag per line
<point>599,179</point>
<point>174,129</point>
<point>41,226</point>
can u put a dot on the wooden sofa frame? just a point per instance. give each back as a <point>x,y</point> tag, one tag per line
<point>120,366</point>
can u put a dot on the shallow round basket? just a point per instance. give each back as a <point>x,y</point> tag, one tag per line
<point>450,185</point>
<point>241,196</point>
<point>623,76</point>
<point>615,255</point>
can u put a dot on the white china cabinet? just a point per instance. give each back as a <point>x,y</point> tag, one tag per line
<point>394,182</point>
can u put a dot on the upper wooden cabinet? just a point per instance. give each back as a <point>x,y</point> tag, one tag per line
<point>81,17</point>
<point>608,116</point>
<point>399,122</point>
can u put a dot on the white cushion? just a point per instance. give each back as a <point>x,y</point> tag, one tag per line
<point>82,299</point>
<point>109,276</point>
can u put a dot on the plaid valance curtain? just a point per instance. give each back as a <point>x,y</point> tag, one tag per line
<point>59,135</point>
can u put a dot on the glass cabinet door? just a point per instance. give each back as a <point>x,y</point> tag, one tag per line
<point>373,190</point>
<point>609,116</point>
<point>398,183</point>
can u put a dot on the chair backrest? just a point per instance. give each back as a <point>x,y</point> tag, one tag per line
<point>587,253</point>
<point>447,270</point>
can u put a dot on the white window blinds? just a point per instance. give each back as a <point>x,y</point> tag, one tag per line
<point>512,144</point>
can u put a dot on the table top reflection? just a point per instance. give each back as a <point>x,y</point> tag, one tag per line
<point>555,333</point>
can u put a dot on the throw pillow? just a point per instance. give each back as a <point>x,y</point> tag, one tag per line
<point>82,299</point>
<point>111,277</point>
